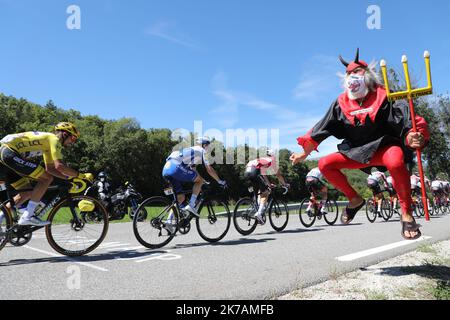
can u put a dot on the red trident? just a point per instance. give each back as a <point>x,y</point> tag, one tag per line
<point>410,94</point>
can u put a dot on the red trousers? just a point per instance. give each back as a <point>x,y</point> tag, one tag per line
<point>390,157</point>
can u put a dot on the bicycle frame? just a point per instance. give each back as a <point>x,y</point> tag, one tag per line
<point>270,199</point>
<point>47,208</point>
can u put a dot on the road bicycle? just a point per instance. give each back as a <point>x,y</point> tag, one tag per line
<point>308,217</point>
<point>79,223</point>
<point>387,208</point>
<point>158,219</point>
<point>246,208</point>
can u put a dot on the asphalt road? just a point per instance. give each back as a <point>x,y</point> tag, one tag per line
<point>263,265</point>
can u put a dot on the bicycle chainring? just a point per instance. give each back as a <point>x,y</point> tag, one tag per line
<point>20,236</point>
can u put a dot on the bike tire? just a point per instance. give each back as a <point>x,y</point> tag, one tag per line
<point>157,211</point>
<point>306,219</point>
<point>332,210</point>
<point>371,212</point>
<point>243,216</point>
<point>386,211</point>
<point>5,224</point>
<point>214,222</point>
<point>278,215</point>
<point>95,225</point>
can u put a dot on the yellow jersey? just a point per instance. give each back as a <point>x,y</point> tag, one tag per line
<point>33,144</point>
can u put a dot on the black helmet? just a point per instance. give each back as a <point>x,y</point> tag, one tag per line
<point>102,175</point>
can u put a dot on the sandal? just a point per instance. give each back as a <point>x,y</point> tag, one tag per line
<point>410,226</point>
<point>349,213</point>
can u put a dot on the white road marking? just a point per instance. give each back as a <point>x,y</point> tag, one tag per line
<point>365,253</point>
<point>86,264</point>
<point>164,256</point>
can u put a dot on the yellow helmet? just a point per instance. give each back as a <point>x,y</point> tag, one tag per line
<point>68,127</point>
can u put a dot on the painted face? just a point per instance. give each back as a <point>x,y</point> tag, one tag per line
<point>356,86</point>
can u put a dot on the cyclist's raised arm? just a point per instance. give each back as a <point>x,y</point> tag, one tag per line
<point>212,172</point>
<point>280,177</point>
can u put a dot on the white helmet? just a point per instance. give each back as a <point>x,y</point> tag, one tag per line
<point>203,140</point>
<point>270,152</point>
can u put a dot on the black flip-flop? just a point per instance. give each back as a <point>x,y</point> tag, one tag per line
<point>349,213</point>
<point>411,226</point>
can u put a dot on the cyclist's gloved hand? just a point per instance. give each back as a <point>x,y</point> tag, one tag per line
<point>222,183</point>
<point>86,176</point>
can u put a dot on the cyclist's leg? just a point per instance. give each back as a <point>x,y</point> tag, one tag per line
<point>263,196</point>
<point>264,192</point>
<point>309,183</point>
<point>25,168</point>
<point>196,189</point>
<point>323,191</point>
<point>20,183</point>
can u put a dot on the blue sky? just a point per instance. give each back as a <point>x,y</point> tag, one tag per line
<point>231,64</point>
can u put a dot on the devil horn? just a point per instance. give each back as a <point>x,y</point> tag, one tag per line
<point>357,56</point>
<point>345,63</point>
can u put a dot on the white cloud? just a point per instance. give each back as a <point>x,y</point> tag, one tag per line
<point>290,123</point>
<point>318,79</point>
<point>168,31</point>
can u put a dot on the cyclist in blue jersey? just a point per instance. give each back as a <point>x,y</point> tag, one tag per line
<point>180,167</point>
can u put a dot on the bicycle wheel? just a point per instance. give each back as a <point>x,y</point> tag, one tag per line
<point>420,208</point>
<point>214,221</point>
<point>278,215</point>
<point>306,218</point>
<point>6,223</point>
<point>155,222</point>
<point>243,216</point>
<point>386,210</point>
<point>78,225</point>
<point>332,212</point>
<point>371,211</point>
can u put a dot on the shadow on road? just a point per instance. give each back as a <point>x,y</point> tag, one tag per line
<point>348,225</point>
<point>223,243</point>
<point>291,231</point>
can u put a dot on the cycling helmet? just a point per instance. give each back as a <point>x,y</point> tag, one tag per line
<point>102,175</point>
<point>270,152</point>
<point>203,140</point>
<point>68,127</point>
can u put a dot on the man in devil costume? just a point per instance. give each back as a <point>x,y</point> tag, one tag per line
<point>376,133</point>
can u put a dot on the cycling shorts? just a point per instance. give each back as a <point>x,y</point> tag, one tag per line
<point>314,185</point>
<point>253,174</point>
<point>176,173</point>
<point>374,186</point>
<point>23,167</point>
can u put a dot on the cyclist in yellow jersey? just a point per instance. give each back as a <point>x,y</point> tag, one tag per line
<point>15,151</point>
